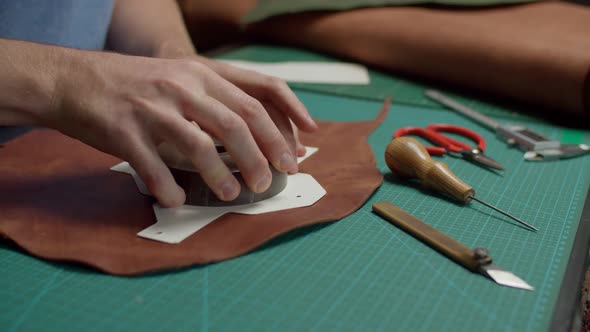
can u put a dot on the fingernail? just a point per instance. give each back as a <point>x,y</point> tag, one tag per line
<point>312,120</point>
<point>173,198</point>
<point>287,162</point>
<point>229,190</point>
<point>263,183</point>
<point>301,149</point>
<point>180,196</point>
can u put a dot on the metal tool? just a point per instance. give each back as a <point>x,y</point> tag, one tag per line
<point>476,260</point>
<point>540,147</point>
<point>407,158</point>
<point>448,145</point>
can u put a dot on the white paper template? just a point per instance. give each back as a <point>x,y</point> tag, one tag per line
<point>176,224</point>
<point>309,71</point>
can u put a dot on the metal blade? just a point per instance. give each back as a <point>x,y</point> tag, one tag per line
<point>476,156</point>
<point>505,278</point>
<point>487,161</point>
<point>564,151</point>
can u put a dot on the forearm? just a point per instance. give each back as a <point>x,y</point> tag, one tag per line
<point>28,75</point>
<point>152,28</point>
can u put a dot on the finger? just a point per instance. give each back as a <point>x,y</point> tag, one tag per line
<point>277,91</point>
<point>228,127</point>
<point>142,156</point>
<point>286,128</point>
<point>198,147</point>
<point>233,132</point>
<point>300,148</point>
<point>266,131</point>
<point>269,88</point>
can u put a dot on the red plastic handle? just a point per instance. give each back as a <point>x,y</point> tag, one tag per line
<point>454,145</point>
<point>444,143</point>
<point>431,136</point>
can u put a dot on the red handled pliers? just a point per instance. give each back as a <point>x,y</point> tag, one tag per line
<point>445,144</point>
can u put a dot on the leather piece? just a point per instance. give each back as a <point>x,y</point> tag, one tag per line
<point>535,53</point>
<point>60,201</point>
<point>202,17</point>
<point>265,9</point>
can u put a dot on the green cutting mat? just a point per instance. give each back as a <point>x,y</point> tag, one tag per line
<point>358,274</point>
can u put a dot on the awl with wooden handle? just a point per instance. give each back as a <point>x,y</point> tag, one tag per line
<point>407,158</point>
<point>476,260</point>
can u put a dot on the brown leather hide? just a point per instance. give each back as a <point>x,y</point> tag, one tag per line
<point>536,53</point>
<point>214,23</point>
<point>60,201</point>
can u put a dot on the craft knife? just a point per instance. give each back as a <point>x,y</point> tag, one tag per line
<point>476,260</point>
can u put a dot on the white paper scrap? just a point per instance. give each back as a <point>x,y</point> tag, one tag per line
<point>124,167</point>
<point>309,150</point>
<point>309,71</point>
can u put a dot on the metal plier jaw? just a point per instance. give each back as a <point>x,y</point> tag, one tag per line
<point>562,152</point>
<point>476,155</point>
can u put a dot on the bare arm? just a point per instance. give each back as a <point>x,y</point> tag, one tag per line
<point>156,28</point>
<point>28,74</point>
<point>150,28</point>
<point>127,105</point>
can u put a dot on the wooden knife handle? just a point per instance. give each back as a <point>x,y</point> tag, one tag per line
<point>428,234</point>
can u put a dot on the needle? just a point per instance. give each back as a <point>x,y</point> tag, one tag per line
<point>506,214</point>
<point>407,158</point>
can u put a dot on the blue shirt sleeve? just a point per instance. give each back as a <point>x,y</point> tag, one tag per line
<point>71,23</point>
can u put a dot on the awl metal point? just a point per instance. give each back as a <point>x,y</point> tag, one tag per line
<point>408,158</point>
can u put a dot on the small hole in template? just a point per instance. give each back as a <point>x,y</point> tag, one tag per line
<point>298,196</point>
<point>159,233</point>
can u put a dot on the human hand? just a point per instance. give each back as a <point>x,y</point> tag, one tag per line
<point>274,94</point>
<point>127,106</point>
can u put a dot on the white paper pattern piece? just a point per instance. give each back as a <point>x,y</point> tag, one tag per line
<point>176,224</point>
<point>124,167</point>
<point>309,71</point>
<point>309,150</point>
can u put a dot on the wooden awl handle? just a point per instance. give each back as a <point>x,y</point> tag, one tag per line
<point>407,158</point>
